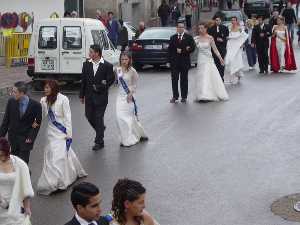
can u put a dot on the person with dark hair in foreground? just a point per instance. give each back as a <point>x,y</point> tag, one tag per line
<point>128,204</point>
<point>97,77</point>
<point>61,165</point>
<point>86,200</point>
<point>22,120</point>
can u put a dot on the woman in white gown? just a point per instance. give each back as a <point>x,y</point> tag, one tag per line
<point>234,58</point>
<point>208,85</point>
<point>61,165</point>
<point>15,187</point>
<point>130,129</point>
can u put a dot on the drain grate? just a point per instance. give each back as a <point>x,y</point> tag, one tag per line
<point>284,207</point>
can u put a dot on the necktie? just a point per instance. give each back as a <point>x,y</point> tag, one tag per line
<point>22,108</point>
<point>179,37</point>
<point>91,224</point>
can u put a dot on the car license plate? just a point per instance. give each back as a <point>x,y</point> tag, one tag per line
<point>156,47</point>
<point>47,64</point>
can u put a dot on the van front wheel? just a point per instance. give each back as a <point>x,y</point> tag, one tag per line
<point>38,85</point>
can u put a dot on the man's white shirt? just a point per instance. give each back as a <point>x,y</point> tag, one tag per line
<point>96,64</point>
<point>83,221</point>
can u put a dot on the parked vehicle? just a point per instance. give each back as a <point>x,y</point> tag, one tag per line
<point>151,48</point>
<point>226,16</point>
<point>278,4</point>
<point>257,7</point>
<point>58,48</point>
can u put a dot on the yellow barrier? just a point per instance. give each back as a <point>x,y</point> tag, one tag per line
<point>16,48</point>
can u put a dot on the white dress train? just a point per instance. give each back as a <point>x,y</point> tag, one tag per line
<point>234,63</point>
<point>61,167</point>
<point>208,84</point>
<point>130,129</point>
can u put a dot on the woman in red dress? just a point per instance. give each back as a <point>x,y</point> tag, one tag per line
<point>281,50</point>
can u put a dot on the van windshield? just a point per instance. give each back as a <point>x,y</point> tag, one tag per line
<point>48,38</point>
<point>100,38</point>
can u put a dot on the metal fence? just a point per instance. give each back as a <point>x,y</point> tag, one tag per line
<point>16,49</point>
<point>2,45</point>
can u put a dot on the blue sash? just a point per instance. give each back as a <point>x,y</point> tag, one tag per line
<point>108,218</point>
<point>60,127</point>
<point>127,91</point>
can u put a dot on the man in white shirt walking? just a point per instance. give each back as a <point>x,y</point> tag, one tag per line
<point>97,77</point>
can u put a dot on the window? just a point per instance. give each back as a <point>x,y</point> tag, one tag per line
<point>48,38</point>
<point>100,38</point>
<point>72,38</point>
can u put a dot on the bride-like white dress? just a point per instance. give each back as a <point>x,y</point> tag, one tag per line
<point>61,167</point>
<point>130,129</point>
<point>208,85</point>
<point>234,63</point>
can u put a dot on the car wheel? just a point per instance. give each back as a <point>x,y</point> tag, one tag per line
<point>156,66</point>
<point>38,85</point>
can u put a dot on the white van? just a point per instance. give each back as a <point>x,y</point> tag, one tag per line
<point>58,47</point>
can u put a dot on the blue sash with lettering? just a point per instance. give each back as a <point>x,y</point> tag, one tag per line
<point>127,91</point>
<point>60,127</point>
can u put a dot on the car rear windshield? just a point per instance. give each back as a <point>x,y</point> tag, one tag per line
<point>157,34</point>
<point>48,38</point>
<point>72,38</point>
<point>229,15</point>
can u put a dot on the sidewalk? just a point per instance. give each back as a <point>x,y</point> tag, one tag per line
<point>8,76</point>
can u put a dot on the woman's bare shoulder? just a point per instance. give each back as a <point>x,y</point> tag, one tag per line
<point>148,219</point>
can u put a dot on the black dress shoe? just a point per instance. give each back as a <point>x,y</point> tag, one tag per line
<point>183,100</point>
<point>144,139</point>
<point>98,147</point>
<point>261,71</point>
<point>173,100</point>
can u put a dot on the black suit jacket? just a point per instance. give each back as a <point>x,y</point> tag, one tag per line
<point>182,60</point>
<point>20,128</point>
<point>74,221</point>
<point>94,88</point>
<point>261,42</point>
<point>223,33</point>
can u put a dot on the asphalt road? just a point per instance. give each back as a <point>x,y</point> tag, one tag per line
<point>220,163</point>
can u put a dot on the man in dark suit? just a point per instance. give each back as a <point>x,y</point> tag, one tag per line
<point>97,77</point>
<point>220,34</point>
<point>86,200</point>
<point>21,121</point>
<point>180,47</point>
<point>260,40</point>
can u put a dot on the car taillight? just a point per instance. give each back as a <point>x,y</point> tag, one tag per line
<point>136,47</point>
<point>30,61</point>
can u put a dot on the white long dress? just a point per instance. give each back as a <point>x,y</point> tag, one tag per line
<point>281,45</point>
<point>14,188</point>
<point>130,129</point>
<point>7,181</point>
<point>234,63</point>
<point>208,84</point>
<point>61,167</point>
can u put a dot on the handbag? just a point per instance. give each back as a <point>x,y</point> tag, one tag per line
<point>27,220</point>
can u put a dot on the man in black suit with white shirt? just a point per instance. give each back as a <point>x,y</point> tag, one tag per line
<point>180,47</point>
<point>97,77</point>
<point>220,34</point>
<point>86,200</point>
